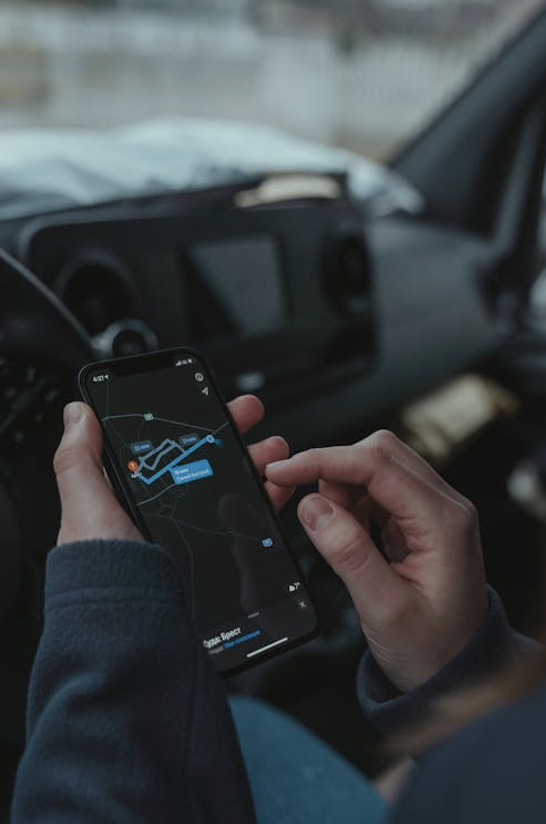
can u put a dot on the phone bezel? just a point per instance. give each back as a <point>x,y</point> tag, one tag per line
<point>158,359</point>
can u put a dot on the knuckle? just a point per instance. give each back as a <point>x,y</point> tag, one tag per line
<point>312,456</point>
<point>65,458</point>
<point>383,442</point>
<point>471,509</point>
<point>465,516</point>
<point>345,552</point>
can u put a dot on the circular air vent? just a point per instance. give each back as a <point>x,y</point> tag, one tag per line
<point>97,290</point>
<point>125,337</point>
<point>348,275</point>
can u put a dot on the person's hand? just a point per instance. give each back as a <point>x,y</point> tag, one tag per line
<point>89,507</point>
<point>423,603</point>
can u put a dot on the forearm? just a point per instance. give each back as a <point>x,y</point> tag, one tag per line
<point>127,722</point>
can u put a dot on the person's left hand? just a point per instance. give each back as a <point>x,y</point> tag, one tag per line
<point>90,510</point>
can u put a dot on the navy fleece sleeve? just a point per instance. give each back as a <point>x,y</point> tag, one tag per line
<point>127,721</point>
<point>490,771</point>
<point>494,644</point>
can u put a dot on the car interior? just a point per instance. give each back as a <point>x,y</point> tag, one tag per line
<point>342,314</point>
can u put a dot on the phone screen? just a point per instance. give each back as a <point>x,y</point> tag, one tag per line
<point>192,488</point>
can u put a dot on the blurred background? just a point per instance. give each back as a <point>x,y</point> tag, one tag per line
<point>362,74</point>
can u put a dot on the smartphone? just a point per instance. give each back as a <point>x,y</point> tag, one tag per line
<point>179,465</point>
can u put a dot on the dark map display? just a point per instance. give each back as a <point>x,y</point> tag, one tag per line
<point>195,492</point>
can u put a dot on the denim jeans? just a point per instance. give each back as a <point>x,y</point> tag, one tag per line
<point>297,779</point>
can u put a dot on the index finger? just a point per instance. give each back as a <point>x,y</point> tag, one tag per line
<point>394,486</point>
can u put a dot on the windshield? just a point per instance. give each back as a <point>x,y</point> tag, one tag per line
<point>363,75</point>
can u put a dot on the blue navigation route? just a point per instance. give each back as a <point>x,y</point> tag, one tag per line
<point>183,454</point>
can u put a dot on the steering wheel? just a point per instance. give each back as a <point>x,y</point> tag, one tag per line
<point>41,347</point>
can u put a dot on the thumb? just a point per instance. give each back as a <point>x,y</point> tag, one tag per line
<point>89,507</point>
<point>344,544</point>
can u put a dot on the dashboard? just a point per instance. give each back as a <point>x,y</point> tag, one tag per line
<point>331,316</point>
<point>335,318</point>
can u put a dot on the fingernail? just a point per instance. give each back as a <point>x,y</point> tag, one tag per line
<point>72,414</point>
<point>273,464</point>
<point>315,513</point>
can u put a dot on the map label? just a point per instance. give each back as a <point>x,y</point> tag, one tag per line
<point>196,471</point>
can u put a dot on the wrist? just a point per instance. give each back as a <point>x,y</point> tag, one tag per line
<point>389,709</point>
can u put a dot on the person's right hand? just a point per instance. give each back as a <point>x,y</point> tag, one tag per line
<point>421,605</point>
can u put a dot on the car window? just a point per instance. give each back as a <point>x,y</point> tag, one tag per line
<point>361,74</point>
